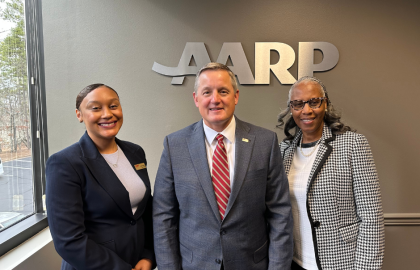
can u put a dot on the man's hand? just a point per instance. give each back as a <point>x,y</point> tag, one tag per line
<point>143,264</point>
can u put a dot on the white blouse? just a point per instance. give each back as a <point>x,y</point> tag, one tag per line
<point>128,177</point>
<point>304,253</point>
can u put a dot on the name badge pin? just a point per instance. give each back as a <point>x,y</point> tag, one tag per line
<point>245,140</point>
<point>140,166</point>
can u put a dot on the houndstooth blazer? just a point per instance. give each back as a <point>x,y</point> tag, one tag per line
<point>343,202</point>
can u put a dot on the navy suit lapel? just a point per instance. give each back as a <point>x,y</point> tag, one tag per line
<point>197,148</point>
<point>104,174</point>
<point>130,154</point>
<point>243,153</point>
<point>134,159</point>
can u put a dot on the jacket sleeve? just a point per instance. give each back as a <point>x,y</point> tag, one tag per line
<point>66,219</point>
<point>279,212</point>
<point>371,239</point>
<point>166,215</point>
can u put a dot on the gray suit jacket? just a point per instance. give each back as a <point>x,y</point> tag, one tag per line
<point>188,231</point>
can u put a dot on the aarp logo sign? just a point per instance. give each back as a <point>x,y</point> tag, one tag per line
<point>234,51</point>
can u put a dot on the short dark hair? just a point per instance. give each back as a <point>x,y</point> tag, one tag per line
<point>85,91</point>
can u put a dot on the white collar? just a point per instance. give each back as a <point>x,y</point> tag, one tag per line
<point>228,132</point>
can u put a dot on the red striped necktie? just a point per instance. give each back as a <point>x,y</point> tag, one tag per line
<point>220,175</point>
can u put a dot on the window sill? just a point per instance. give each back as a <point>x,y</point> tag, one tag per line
<point>22,252</point>
<point>20,232</point>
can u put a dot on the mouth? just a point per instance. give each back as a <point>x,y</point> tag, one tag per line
<point>108,125</point>
<point>307,120</point>
<point>216,109</point>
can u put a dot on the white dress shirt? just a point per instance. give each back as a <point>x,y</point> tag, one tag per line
<point>229,140</point>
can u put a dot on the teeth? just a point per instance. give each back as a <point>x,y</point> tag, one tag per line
<point>106,125</point>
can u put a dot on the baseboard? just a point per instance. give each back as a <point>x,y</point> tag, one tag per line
<point>402,219</point>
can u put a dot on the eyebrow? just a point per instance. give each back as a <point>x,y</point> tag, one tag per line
<point>100,102</point>
<point>95,101</point>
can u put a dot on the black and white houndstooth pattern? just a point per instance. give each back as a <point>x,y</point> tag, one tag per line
<point>343,195</point>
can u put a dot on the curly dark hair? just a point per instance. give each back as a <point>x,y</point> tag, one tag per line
<point>332,117</point>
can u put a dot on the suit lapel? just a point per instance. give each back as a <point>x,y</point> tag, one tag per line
<point>290,152</point>
<point>243,153</point>
<point>104,174</point>
<point>130,154</point>
<point>197,149</point>
<point>323,153</point>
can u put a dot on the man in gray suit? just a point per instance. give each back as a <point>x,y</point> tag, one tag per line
<point>221,196</point>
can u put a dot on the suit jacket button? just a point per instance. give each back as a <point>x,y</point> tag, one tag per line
<point>316,224</point>
<point>222,232</point>
<point>133,222</point>
<point>218,261</point>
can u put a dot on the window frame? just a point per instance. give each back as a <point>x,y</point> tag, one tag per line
<point>32,224</point>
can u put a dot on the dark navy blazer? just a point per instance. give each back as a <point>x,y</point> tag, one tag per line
<point>89,211</point>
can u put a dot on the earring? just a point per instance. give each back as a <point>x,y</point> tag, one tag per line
<point>291,113</point>
<point>326,110</point>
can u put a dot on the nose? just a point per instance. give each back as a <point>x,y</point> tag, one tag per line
<point>106,112</point>
<point>306,109</point>
<point>215,97</point>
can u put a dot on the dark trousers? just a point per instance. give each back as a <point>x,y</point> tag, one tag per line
<point>296,266</point>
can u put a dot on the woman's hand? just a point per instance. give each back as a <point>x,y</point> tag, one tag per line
<point>143,264</point>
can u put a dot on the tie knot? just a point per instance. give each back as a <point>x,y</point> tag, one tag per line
<point>220,137</point>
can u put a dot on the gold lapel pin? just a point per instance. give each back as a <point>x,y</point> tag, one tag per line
<point>140,166</point>
<point>245,140</point>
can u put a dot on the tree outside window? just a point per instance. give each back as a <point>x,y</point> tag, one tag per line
<point>16,183</point>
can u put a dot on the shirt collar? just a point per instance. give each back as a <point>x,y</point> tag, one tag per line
<point>228,132</point>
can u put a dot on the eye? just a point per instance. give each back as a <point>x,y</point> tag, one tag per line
<point>115,106</point>
<point>315,102</point>
<point>297,103</point>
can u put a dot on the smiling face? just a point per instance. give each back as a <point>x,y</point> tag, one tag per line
<point>310,121</point>
<point>102,114</point>
<point>216,99</point>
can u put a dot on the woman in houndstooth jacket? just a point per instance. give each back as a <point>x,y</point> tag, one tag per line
<point>334,186</point>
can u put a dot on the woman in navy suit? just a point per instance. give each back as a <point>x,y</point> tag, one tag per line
<point>98,192</point>
<point>334,187</point>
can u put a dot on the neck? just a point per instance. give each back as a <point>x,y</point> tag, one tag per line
<point>105,146</point>
<point>311,137</point>
<point>219,127</point>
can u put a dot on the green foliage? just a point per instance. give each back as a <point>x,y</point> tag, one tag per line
<point>13,12</point>
<point>13,55</point>
<point>14,102</point>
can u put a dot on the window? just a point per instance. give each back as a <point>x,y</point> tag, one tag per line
<point>23,136</point>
